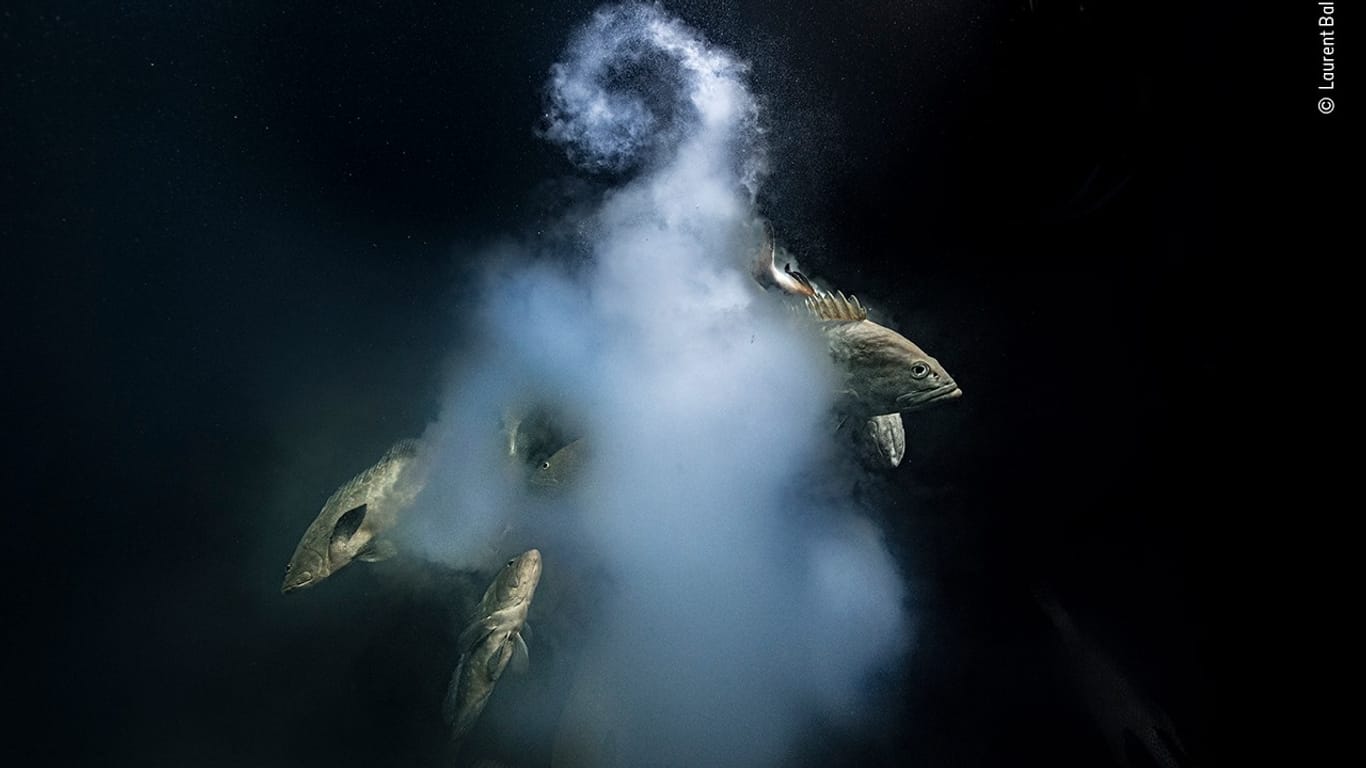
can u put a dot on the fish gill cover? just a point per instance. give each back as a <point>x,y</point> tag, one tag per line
<point>742,598</point>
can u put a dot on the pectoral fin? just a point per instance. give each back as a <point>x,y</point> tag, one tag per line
<point>347,525</point>
<point>377,551</point>
<point>475,632</point>
<point>521,658</point>
<point>498,661</point>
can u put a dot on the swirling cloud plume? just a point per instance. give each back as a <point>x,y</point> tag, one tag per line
<point>739,602</point>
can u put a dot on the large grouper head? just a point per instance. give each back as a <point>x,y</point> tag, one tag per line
<point>330,543</point>
<point>306,568</point>
<point>923,380</point>
<point>884,371</point>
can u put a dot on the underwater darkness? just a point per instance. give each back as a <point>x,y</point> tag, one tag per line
<point>243,238</point>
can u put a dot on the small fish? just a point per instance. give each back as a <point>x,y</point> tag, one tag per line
<point>491,641</point>
<point>352,522</point>
<point>1137,731</point>
<point>562,468</point>
<point>884,440</point>
<point>884,371</point>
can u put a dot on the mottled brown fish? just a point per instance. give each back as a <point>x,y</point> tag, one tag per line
<point>561,469</point>
<point>491,641</point>
<point>884,372</point>
<point>353,520</point>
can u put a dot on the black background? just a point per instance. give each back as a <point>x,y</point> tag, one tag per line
<point>234,232</point>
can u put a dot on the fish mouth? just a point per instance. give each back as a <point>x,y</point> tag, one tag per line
<point>914,401</point>
<point>524,569</point>
<point>531,563</point>
<point>290,586</point>
<point>530,573</point>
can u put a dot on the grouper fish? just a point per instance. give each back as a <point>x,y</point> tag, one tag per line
<point>352,522</point>
<point>561,468</point>
<point>873,357</point>
<point>884,372</point>
<point>491,641</point>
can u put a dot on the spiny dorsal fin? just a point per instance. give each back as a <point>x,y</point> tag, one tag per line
<point>348,490</point>
<point>408,447</point>
<point>836,307</point>
<point>403,449</point>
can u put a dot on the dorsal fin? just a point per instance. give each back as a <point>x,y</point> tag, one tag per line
<point>407,447</point>
<point>349,489</point>
<point>403,449</point>
<point>836,307</point>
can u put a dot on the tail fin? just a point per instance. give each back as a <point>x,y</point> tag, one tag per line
<point>765,268</point>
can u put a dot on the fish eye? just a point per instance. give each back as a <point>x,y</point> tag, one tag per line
<point>513,560</point>
<point>920,371</point>
<point>545,465</point>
